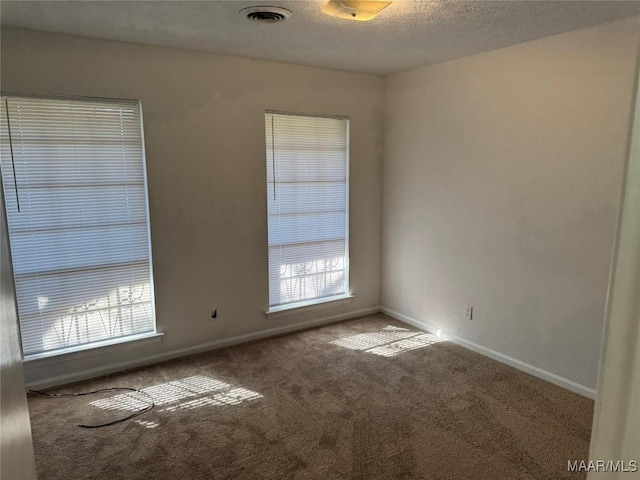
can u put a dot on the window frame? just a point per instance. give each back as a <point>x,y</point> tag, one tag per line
<point>318,302</point>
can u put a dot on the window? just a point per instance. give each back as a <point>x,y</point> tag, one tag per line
<point>75,191</point>
<point>307,208</point>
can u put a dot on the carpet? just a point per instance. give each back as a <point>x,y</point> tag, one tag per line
<point>366,399</point>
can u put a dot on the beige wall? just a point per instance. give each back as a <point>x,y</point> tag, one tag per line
<point>502,176</point>
<point>204,132</point>
<point>501,182</point>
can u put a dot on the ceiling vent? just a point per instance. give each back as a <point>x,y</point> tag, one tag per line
<point>265,14</point>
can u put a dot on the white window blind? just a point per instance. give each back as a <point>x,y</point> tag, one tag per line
<point>75,191</point>
<point>307,207</point>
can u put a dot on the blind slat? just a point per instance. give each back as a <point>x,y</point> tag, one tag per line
<point>307,205</point>
<point>80,241</point>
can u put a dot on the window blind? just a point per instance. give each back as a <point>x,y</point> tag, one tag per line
<point>75,192</point>
<point>307,208</point>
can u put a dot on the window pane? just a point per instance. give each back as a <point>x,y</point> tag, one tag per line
<point>80,239</point>
<point>307,207</point>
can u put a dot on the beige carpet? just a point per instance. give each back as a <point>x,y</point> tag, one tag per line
<point>366,399</point>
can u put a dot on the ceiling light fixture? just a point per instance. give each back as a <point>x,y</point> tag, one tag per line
<point>265,14</point>
<point>361,11</point>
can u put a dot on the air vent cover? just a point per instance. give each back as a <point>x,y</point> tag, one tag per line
<point>265,14</point>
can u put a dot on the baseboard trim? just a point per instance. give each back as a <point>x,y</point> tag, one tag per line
<point>196,349</point>
<point>501,357</point>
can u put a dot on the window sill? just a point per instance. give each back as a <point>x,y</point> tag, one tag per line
<point>293,308</point>
<point>97,348</point>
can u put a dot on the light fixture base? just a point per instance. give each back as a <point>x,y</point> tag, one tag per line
<point>360,11</point>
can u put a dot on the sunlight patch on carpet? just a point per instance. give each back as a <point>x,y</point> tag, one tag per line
<point>188,393</point>
<point>388,342</point>
<point>146,424</point>
<point>234,396</point>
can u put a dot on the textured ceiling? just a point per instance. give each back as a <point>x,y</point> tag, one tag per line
<point>408,34</point>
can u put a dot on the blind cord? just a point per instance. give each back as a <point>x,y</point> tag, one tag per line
<point>273,159</point>
<point>13,165</point>
<point>128,389</point>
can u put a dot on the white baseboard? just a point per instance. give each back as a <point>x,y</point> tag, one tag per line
<point>501,357</point>
<point>201,348</point>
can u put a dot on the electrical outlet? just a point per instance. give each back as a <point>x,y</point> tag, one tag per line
<point>214,313</point>
<point>468,313</point>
